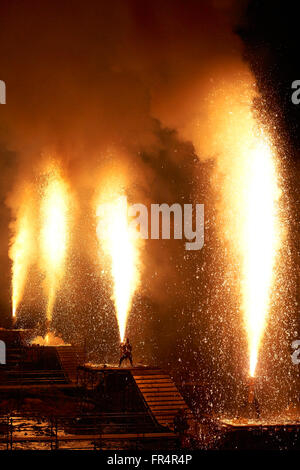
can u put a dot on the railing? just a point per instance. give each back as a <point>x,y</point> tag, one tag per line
<point>96,431</point>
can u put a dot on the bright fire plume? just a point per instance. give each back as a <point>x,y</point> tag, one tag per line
<point>260,235</point>
<point>54,233</point>
<point>247,180</point>
<point>21,251</point>
<point>119,241</point>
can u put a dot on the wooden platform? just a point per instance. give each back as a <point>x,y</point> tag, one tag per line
<point>41,365</point>
<point>63,386</point>
<point>159,393</point>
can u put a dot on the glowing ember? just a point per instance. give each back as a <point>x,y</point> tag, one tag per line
<point>54,232</point>
<point>49,340</point>
<point>260,235</point>
<point>21,251</point>
<point>119,241</point>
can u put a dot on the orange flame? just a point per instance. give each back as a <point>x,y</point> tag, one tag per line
<point>251,217</point>
<point>54,232</point>
<point>260,235</point>
<point>21,251</point>
<point>120,243</point>
<point>247,175</point>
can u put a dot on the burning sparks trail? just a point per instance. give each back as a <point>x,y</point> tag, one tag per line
<point>119,241</point>
<point>247,177</point>
<point>54,233</point>
<point>21,251</point>
<point>260,235</point>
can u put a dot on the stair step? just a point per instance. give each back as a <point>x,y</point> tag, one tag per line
<point>161,396</point>
<point>70,358</point>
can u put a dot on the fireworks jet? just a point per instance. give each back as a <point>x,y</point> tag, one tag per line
<point>21,250</point>
<point>248,175</point>
<point>260,240</point>
<point>119,242</point>
<point>54,234</point>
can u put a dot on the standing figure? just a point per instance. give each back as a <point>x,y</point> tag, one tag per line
<point>126,352</point>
